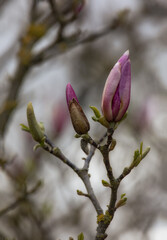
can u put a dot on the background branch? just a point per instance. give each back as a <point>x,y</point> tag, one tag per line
<point>20,199</point>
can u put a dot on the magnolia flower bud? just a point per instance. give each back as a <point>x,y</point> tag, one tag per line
<point>78,118</point>
<point>116,93</point>
<point>35,129</point>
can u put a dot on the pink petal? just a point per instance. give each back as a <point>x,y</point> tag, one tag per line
<point>124,58</point>
<point>70,94</point>
<point>109,91</point>
<point>116,104</point>
<point>124,89</point>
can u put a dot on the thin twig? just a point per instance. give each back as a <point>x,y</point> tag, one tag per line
<point>33,10</point>
<point>101,139</point>
<point>20,200</point>
<point>55,11</point>
<point>57,153</point>
<point>11,99</point>
<point>82,173</point>
<point>103,225</point>
<point>94,145</point>
<point>89,157</point>
<point>68,44</point>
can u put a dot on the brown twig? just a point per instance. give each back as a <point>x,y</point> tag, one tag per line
<point>82,173</point>
<point>11,99</point>
<point>105,221</point>
<point>21,199</point>
<point>55,49</point>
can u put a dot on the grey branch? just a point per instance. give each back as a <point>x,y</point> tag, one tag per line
<point>21,199</point>
<point>82,173</point>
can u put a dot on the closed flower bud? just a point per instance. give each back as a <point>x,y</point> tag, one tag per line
<point>116,93</point>
<point>35,129</point>
<point>78,118</point>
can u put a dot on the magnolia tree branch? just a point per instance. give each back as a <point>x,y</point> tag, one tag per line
<point>82,173</point>
<point>111,118</point>
<point>94,146</point>
<point>103,219</point>
<point>11,99</point>
<point>66,44</point>
<point>24,66</point>
<point>89,158</point>
<point>21,199</point>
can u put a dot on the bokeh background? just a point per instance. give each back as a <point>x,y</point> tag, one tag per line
<point>42,48</point>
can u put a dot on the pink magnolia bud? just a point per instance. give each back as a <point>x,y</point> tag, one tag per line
<point>116,93</point>
<point>70,94</point>
<point>78,118</point>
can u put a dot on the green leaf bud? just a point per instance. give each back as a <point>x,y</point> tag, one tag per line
<point>96,111</point>
<point>81,236</point>
<point>105,183</point>
<point>35,129</point>
<point>146,152</point>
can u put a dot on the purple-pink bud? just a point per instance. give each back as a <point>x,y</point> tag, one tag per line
<point>116,93</point>
<point>70,94</point>
<point>78,118</point>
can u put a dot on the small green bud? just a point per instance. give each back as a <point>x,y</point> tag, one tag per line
<point>139,155</point>
<point>34,127</point>
<point>136,154</point>
<point>146,152</point>
<point>105,183</point>
<point>121,202</point>
<point>57,152</point>
<point>36,147</point>
<point>86,137</point>
<point>123,195</point>
<point>24,128</point>
<point>77,135</point>
<point>96,111</point>
<point>81,236</point>
<point>80,193</point>
<point>104,122</point>
<point>95,119</point>
<point>141,147</point>
<point>112,145</point>
<point>137,161</point>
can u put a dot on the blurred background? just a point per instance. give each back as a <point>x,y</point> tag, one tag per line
<point>44,44</point>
